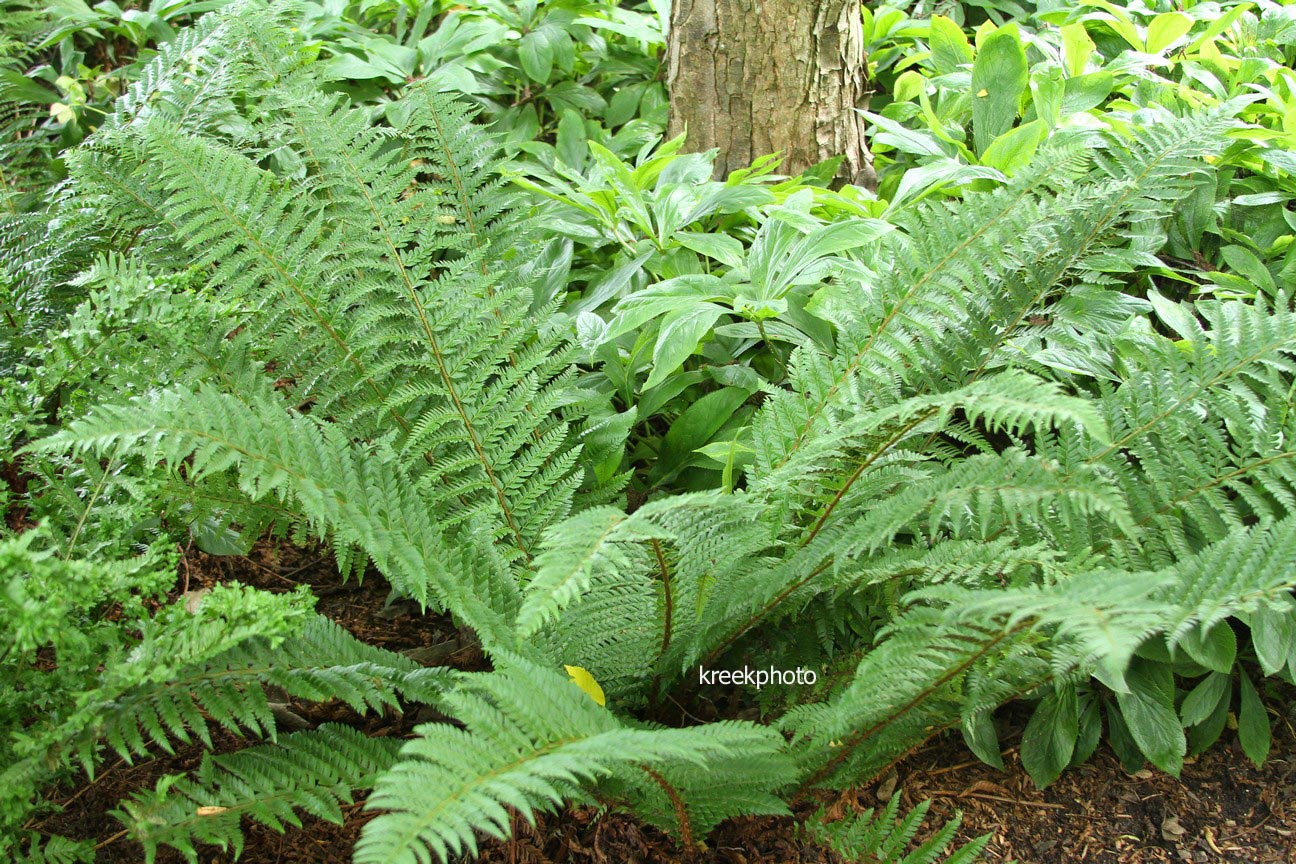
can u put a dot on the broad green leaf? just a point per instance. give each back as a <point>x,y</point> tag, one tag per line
<point>1086,91</point>
<point>697,425</point>
<point>1166,29</point>
<point>999,78</point>
<point>725,248</point>
<point>1090,730</point>
<point>630,27</point>
<point>1219,25</point>
<point>1208,731</point>
<point>1047,87</point>
<point>1119,21</point>
<point>1014,149</point>
<point>17,87</point>
<point>1273,633</point>
<point>1247,265</point>
<point>733,455</point>
<point>1124,745</point>
<point>1177,318</point>
<point>1203,700</point>
<point>1050,736</point>
<point>572,142</point>
<point>918,183</point>
<point>536,55</point>
<point>902,138</point>
<point>1215,649</point>
<point>1077,48</point>
<point>623,105</point>
<point>982,738</point>
<point>950,49</point>
<point>679,337</point>
<point>1149,715</point>
<point>670,295</point>
<point>909,86</point>
<point>611,284</point>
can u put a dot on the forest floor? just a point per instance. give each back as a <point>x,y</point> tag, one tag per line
<point>1221,809</point>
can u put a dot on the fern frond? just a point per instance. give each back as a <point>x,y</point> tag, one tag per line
<point>315,772</point>
<point>531,740</point>
<point>360,494</point>
<point>871,836</point>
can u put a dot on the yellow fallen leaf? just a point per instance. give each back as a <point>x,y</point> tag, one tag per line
<point>983,92</point>
<point>585,681</point>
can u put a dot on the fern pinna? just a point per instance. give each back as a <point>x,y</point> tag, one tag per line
<point>1005,477</point>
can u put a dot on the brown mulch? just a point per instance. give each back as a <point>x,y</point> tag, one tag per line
<point>1222,808</point>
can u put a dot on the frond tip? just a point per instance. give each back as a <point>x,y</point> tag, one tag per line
<point>532,740</point>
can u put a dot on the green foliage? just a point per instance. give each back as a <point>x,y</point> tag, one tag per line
<point>531,740</point>
<point>985,437</point>
<point>866,837</point>
<point>313,772</point>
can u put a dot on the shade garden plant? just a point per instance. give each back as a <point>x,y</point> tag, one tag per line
<point>428,285</point>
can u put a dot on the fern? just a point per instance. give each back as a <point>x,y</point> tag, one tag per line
<point>882,838</point>
<point>359,494</point>
<point>373,229</point>
<point>995,471</point>
<point>531,740</point>
<point>316,772</point>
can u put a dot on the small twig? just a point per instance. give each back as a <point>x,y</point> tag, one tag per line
<point>947,793</point>
<point>113,839</point>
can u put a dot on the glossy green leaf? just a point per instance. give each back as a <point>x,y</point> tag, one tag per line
<point>1215,649</point>
<point>680,334</point>
<point>1166,29</point>
<point>999,78</point>
<point>1273,634</point>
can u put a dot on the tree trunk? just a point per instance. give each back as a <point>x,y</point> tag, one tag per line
<point>752,77</point>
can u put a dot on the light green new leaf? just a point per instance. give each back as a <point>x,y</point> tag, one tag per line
<point>950,48</point>
<point>1077,48</point>
<point>1014,149</point>
<point>1166,29</point>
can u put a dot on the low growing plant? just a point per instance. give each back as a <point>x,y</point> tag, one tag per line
<point>987,468</point>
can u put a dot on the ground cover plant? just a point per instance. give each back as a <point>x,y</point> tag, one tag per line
<point>428,285</point>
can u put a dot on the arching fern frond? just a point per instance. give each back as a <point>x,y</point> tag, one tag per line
<point>531,740</point>
<point>315,772</point>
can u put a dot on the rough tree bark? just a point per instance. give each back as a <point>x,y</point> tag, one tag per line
<point>752,77</point>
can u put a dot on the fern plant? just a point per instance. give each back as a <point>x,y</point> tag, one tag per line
<point>868,837</point>
<point>969,488</point>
